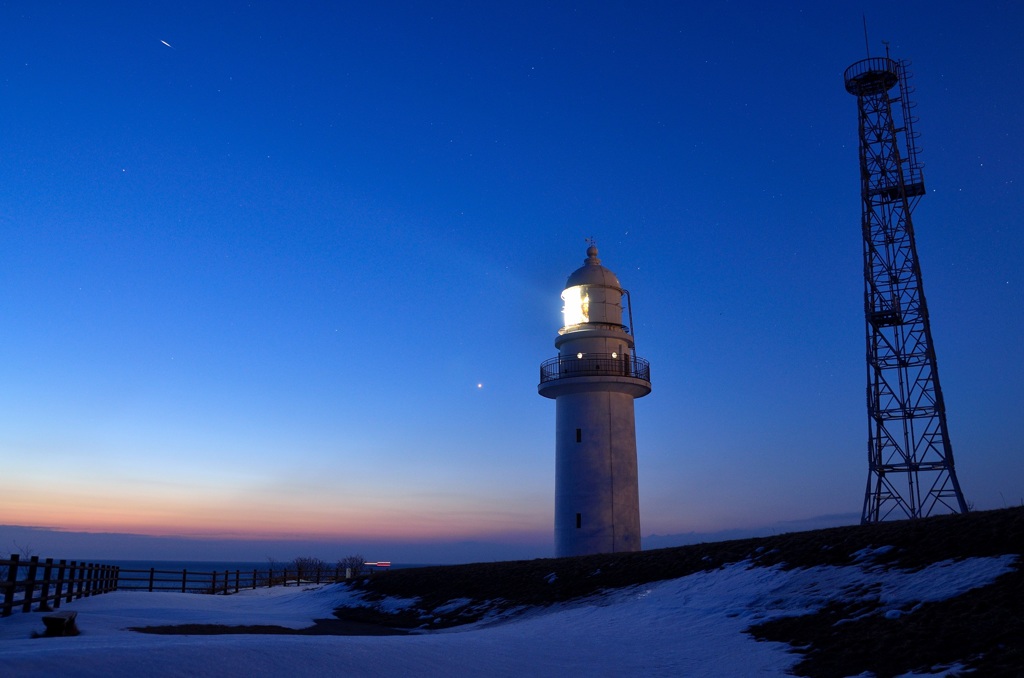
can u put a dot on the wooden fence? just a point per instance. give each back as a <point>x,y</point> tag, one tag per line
<point>24,583</point>
<point>225,581</point>
<point>33,581</point>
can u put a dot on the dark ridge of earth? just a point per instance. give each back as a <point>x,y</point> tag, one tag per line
<point>980,631</point>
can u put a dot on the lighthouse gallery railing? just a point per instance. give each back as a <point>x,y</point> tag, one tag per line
<point>595,365</point>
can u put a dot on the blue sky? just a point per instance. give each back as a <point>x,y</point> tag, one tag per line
<point>292,273</point>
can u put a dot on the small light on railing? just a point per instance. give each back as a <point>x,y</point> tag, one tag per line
<point>579,355</point>
<point>614,355</point>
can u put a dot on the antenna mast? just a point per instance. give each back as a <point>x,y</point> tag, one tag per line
<point>910,459</point>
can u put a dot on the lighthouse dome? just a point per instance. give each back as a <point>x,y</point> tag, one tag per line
<point>592,295</point>
<point>592,273</point>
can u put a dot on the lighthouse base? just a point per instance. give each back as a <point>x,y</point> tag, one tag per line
<point>597,502</point>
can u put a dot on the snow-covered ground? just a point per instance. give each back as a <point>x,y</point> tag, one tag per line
<point>692,626</point>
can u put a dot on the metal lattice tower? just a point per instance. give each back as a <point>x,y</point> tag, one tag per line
<point>910,459</point>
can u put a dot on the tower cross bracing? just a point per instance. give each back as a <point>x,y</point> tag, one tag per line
<point>910,460</point>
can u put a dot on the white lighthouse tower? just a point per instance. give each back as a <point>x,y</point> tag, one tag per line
<point>593,380</point>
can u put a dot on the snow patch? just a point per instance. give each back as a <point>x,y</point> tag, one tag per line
<point>452,605</point>
<point>393,604</point>
<point>870,553</point>
<point>694,625</point>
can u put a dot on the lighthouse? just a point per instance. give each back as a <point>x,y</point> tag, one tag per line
<point>593,380</point>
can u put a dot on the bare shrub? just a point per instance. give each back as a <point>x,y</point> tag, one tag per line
<point>356,563</point>
<point>309,568</point>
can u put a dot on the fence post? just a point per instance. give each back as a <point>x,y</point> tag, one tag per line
<point>61,568</point>
<point>270,577</point>
<point>94,577</point>
<point>152,572</point>
<point>87,580</point>
<point>184,578</point>
<point>80,580</point>
<point>44,592</point>
<point>12,576</point>
<point>83,576</point>
<point>213,586</point>
<point>71,581</point>
<point>30,583</point>
<point>237,576</point>
<point>254,578</point>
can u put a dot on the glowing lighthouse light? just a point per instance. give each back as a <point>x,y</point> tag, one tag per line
<point>594,381</point>
<point>577,305</point>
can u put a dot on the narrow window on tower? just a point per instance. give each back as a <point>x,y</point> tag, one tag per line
<point>579,435</point>
<point>579,520</point>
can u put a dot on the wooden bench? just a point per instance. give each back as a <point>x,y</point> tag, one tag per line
<point>61,623</point>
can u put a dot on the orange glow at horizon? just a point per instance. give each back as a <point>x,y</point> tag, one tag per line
<point>273,518</point>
